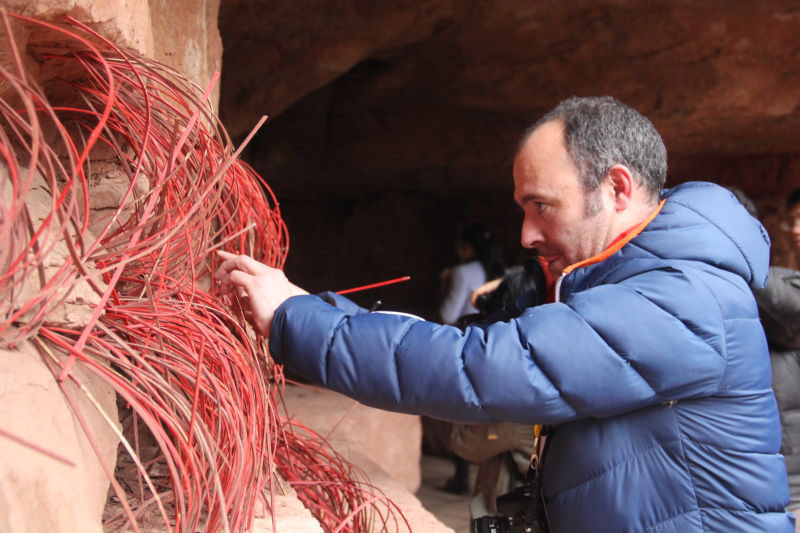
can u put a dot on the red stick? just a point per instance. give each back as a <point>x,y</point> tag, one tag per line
<point>374,285</point>
<point>35,447</point>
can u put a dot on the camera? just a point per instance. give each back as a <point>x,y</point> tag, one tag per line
<point>523,512</point>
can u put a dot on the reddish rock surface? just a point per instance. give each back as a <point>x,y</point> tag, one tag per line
<point>385,446</point>
<point>392,440</point>
<point>38,492</point>
<point>179,33</point>
<point>442,82</point>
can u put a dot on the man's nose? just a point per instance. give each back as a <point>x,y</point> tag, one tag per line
<point>531,235</point>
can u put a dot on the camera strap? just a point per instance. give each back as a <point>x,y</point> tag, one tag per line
<point>541,442</point>
<point>541,436</point>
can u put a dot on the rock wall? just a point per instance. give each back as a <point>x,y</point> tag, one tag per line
<point>386,447</point>
<point>715,78</point>
<point>391,440</point>
<point>159,29</point>
<point>38,492</point>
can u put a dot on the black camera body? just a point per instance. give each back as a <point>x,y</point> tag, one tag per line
<point>523,512</point>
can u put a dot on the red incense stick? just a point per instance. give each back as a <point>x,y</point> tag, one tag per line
<point>373,285</point>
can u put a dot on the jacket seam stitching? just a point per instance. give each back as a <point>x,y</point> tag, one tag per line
<point>530,351</point>
<point>751,508</point>
<point>705,509</point>
<point>638,453</point>
<point>710,445</point>
<point>722,352</point>
<point>686,465</point>
<point>345,319</point>
<point>672,518</point>
<point>619,353</point>
<point>397,352</point>
<point>724,346</point>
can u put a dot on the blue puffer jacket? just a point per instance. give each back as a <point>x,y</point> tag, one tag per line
<point>668,317</point>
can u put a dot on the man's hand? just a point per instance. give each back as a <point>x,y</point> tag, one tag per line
<point>258,288</point>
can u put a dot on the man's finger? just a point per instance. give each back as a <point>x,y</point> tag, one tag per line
<point>242,279</point>
<point>227,259</point>
<point>244,263</point>
<point>228,266</point>
<point>222,271</point>
<point>251,266</point>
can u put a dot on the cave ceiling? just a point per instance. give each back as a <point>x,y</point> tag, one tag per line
<point>433,94</point>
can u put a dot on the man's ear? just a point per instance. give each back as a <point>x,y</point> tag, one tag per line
<point>621,184</point>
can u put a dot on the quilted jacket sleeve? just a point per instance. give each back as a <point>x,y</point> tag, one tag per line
<point>658,336</point>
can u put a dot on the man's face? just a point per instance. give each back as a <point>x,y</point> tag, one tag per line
<point>794,225</point>
<point>558,222</point>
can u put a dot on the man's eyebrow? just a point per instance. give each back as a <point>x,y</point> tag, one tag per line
<point>533,197</point>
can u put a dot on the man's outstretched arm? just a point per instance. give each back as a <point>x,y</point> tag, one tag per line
<point>612,349</point>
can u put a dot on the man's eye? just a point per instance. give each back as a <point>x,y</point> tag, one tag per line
<point>540,206</point>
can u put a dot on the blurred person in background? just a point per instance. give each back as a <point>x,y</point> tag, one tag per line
<point>480,258</point>
<point>779,306</point>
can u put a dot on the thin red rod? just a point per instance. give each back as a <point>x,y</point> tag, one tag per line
<point>374,285</point>
<point>35,447</point>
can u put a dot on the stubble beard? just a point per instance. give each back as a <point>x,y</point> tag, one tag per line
<point>592,205</point>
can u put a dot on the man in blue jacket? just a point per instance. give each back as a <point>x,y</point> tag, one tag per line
<point>650,362</point>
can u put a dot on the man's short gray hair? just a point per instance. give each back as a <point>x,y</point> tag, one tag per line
<point>601,132</point>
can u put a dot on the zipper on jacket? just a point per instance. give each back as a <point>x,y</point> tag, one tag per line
<point>558,286</point>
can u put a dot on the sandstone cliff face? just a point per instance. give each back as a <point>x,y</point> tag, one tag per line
<point>179,33</point>
<point>38,492</point>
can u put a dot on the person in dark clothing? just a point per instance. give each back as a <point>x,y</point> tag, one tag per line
<point>791,225</point>
<point>779,306</point>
